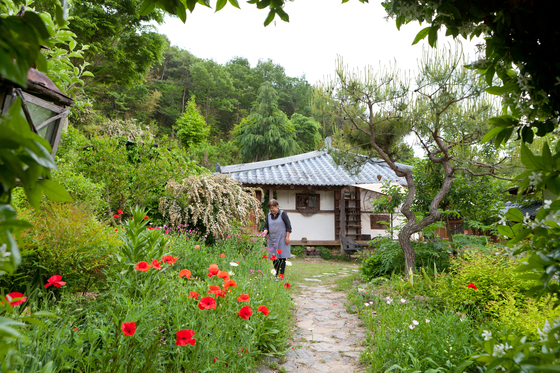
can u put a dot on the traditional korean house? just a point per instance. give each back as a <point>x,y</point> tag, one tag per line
<point>323,200</point>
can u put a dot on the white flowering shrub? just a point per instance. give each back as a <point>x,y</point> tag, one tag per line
<point>215,201</point>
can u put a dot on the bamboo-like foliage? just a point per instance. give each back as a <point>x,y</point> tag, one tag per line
<point>215,200</point>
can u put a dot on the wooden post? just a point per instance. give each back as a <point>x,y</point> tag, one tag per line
<point>270,194</point>
<point>342,207</point>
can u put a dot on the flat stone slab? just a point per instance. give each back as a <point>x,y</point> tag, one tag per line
<point>326,337</point>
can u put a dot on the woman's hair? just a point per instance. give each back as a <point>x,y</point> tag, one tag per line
<point>272,202</point>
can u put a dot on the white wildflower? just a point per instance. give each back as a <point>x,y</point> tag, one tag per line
<point>403,300</point>
<point>411,327</point>
<point>535,177</point>
<point>427,321</point>
<point>233,264</point>
<point>415,322</point>
<point>487,335</point>
<point>498,350</point>
<point>547,204</point>
<point>231,273</point>
<point>273,271</point>
<point>288,263</point>
<point>366,304</point>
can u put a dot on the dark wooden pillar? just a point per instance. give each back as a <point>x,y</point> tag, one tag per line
<point>342,212</point>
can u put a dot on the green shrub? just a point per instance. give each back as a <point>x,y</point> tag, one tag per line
<point>493,275</point>
<point>67,240</point>
<point>388,257</point>
<point>296,250</point>
<point>325,253</point>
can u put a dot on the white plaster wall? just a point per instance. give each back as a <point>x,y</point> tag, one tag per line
<point>317,227</point>
<point>366,197</point>
<point>287,199</point>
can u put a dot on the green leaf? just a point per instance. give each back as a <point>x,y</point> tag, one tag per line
<point>234,3</point>
<point>54,190</point>
<point>514,215</point>
<point>547,158</point>
<point>432,36</point>
<point>421,35</point>
<point>461,367</point>
<point>509,87</point>
<point>283,15</point>
<point>269,17</point>
<point>528,159</point>
<point>504,230</point>
<point>220,4</point>
<point>491,134</point>
<point>32,320</point>
<point>490,75</point>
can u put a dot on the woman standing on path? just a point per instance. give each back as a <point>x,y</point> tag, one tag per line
<point>278,231</point>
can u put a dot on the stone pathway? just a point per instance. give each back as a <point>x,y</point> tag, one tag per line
<point>326,337</point>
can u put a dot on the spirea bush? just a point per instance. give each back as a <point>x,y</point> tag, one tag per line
<point>211,203</point>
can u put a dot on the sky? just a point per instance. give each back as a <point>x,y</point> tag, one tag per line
<point>318,32</point>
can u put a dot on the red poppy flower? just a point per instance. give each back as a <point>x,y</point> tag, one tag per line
<point>213,269</point>
<point>185,273</point>
<point>76,329</point>
<point>287,285</point>
<point>194,294</point>
<point>116,216</point>
<point>55,280</point>
<point>169,259</point>
<point>207,303</point>
<point>209,275</point>
<point>222,255</point>
<point>273,257</point>
<point>229,283</point>
<point>197,246</point>
<point>264,257</point>
<point>472,286</point>
<point>116,229</point>
<point>146,217</point>
<point>10,298</point>
<point>215,359</point>
<point>243,298</point>
<point>223,274</point>
<point>279,251</point>
<point>219,293</point>
<point>184,337</point>
<point>128,328</point>
<point>263,309</point>
<point>156,264</point>
<point>120,212</point>
<point>281,276</point>
<point>142,266</point>
<point>245,312</point>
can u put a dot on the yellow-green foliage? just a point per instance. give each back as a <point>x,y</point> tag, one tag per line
<point>523,317</point>
<point>67,240</point>
<point>493,274</point>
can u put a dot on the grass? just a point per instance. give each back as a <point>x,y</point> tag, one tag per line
<point>306,268</point>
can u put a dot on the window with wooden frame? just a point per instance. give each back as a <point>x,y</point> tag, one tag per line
<point>376,219</point>
<point>308,203</point>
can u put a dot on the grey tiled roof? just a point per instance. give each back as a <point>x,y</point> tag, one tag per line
<point>313,168</point>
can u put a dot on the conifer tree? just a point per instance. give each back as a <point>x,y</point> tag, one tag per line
<point>266,133</point>
<point>191,127</point>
